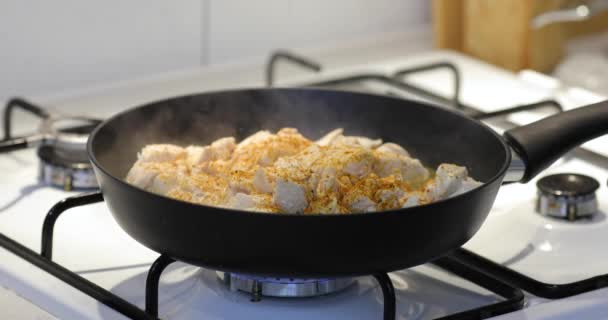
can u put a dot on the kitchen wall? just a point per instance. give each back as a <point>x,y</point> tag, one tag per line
<point>49,46</point>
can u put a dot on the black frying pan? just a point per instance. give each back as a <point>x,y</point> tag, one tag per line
<point>322,245</point>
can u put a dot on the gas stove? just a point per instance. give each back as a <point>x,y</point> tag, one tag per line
<point>538,256</point>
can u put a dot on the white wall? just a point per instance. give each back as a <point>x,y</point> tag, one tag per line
<point>46,46</point>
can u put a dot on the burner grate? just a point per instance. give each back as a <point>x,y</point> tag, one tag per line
<point>61,142</point>
<point>461,267</point>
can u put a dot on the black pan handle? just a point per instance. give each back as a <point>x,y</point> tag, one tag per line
<point>18,143</point>
<point>541,143</point>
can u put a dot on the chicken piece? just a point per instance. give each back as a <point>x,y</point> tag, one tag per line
<point>327,182</point>
<point>220,149</point>
<point>362,204</point>
<point>410,201</point>
<point>243,201</point>
<point>467,185</point>
<point>163,183</point>
<point>355,161</point>
<point>161,153</point>
<point>157,177</point>
<point>358,168</point>
<point>390,147</point>
<point>179,194</point>
<point>388,198</point>
<point>266,149</point>
<point>330,137</point>
<point>448,180</point>
<point>328,204</point>
<point>254,138</point>
<point>298,167</point>
<point>241,181</point>
<point>285,132</point>
<point>223,148</point>
<point>410,170</point>
<point>208,189</point>
<point>141,175</point>
<point>262,182</point>
<point>290,197</point>
<point>357,141</point>
<point>194,154</point>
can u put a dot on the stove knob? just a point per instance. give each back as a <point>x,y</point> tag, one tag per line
<point>567,196</point>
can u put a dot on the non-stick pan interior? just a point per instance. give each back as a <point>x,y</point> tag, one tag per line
<point>429,133</point>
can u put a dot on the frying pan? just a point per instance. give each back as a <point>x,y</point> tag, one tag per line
<point>315,245</point>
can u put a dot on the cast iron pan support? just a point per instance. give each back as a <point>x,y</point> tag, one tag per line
<point>46,247</point>
<point>438,65</point>
<point>10,143</point>
<point>291,57</point>
<point>152,283</point>
<point>24,105</point>
<point>388,293</point>
<point>462,267</point>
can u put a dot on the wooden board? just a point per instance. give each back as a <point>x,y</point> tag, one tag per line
<point>499,31</point>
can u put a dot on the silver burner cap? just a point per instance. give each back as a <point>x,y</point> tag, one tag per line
<point>567,196</point>
<point>283,287</point>
<point>66,169</point>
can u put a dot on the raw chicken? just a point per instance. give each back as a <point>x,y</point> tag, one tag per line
<point>285,172</point>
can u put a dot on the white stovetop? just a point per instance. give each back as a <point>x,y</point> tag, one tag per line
<point>554,248</point>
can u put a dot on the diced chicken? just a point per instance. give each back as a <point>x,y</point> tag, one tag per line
<point>220,149</point>
<point>409,169</point>
<point>358,168</point>
<point>158,177</point>
<point>390,147</point>
<point>254,138</point>
<point>328,204</point>
<point>354,161</point>
<point>359,141</point>
<point>467,185</point>
<point>241,182</point>
<point>287,132</point>
<point>261,181</point>
<point>180,194</point>
<point>330,137</point>
<point>389,198</point>
<point>298,167</point>
<point>141,176</point>
<point>194,154</point>
<point>448,180</point>
<point>290,197</point>
<point>161,153</point>
<point>362,204</point>
<point>327,182</point>
<point>223,148</point>
<point>163,183</point>
<point>243,201</point>
<point>411,201</point>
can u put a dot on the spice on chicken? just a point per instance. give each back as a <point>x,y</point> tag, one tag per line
<point>288,173</point>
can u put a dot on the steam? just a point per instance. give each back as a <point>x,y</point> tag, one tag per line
<point>431,135</point>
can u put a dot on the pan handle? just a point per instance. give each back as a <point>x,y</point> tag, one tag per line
<point>14,144</point>
<point>541,143</point>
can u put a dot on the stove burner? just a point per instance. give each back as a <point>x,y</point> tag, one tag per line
<point>61,142</point>
<point>283,287</point>
<point>567,196</point>
<point>68,170</point>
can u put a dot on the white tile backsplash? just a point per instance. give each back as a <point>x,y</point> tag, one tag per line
<point>49,46</point>
<point>253,28</point>
<point>53,45</point>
